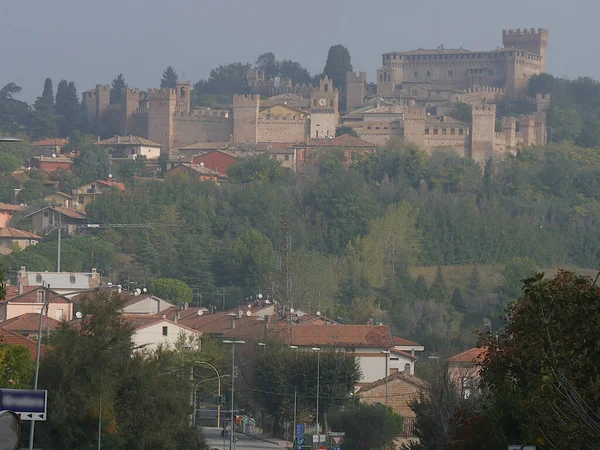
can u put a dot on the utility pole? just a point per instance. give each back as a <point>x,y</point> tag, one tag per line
<point>223,299</point>
<point>58,257</point>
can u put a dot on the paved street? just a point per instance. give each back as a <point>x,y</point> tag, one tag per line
<point>243,443</point>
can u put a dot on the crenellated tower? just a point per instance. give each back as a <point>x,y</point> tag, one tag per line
<point>245,118</point>
<point>483,131</point>
<point>533,40</point>
<point>184,90</point>
<point>356,84</point>
<point>324,113</point>
<point>130,103</point>
<point>161,109</point>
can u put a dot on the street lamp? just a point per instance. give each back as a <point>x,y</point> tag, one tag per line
<point>318,350</point>
<point>263,345</point>
<point>232,432</point>
<point>295,347</point>
<point>218,394</point>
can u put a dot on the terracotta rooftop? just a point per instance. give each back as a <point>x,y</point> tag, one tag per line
<point>396,376</point>
<point>61,194</point>
<point>201,169</point>
<point>404,342</point>
<point>205,146</point>
<point>344,140</point>
<point>139,321</point>
<point>29,322</point>
<point>29,295</point>
<point>64,211</point>
<point>9,207</point>
<point>51,142</point>
<point>403,353</point>
<point>13,233</point>
<point>113,184</point>
<point>11,338</point>
<point>473,355</point>
<point>61,160</point>
<point>128,140</point>
<point>387,109</point>
<point>357,336</point>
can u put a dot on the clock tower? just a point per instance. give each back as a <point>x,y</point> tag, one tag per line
<point>324,114</point>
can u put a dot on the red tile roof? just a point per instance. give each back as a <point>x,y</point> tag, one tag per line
<point>112,183</point>
<point>405,354</point>
<point>9,207</point>
<point>13,233</point>
<point>29,295</point>
<point>48,142</point>
<point>357,336</point>
<point>128,140</point>
<point>345,140</point>
<point>29,322</point>
<point>473,355</point>
<point>403,376</point>
<point>405,342</point>
<point>11,338</point>
<point>139,321</point>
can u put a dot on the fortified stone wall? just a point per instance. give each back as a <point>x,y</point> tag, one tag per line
<point>140,123</point>
<point>531,40</point>
<point>161,109</point>
<point>245,113</point>
<point>475,96</point>
<point>380,133</point>
<point>190,128</point>
<point>279,130</point>
<point>130,103</point>
<point>459,144</point>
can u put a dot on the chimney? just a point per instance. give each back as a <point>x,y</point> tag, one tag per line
<point>232,323</point>
<point>130,138</point>
<point>117,138</point>
<point>176,318</point>
<point>407,369</point>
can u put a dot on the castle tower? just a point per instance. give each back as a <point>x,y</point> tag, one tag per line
<point>130,102</point>
<point>385,81</point>
<point>483,132</point>
<point>88,100</point>
<point>184,91</point>
<point>509,128</point>
<point>414,126</point>
<point>245,118</point>
<point>324,113</point>
<point>102,101</point>
<point>356,83</point>
<point>161,109</point>
<point>530,40</point>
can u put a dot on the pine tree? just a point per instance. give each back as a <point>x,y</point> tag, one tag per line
<point>457,300</point>
<point>67,107</point>
<point>438,292</point>
<point>116,91</point>
<point>420,288</point>
<point>474,283</point>
<point>169,78</point>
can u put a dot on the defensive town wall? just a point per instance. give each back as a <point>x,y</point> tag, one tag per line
<point>278,129</point>
<point>191,128</point>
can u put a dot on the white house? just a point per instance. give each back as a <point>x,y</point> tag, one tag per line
<point>403,354</point>
<point>145,304</point>
<point>64,283</point>
<point>130,147</point>
<point>151,332</point>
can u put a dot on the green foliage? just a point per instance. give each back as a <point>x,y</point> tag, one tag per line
<point>175,291</point>
<point>268,63</point>
<point>366,426</point>
<point>462,112</point>
<point>515,271</point>
<point>169,78</point>
<point>252,258</point>
<point>16,367</point>
<point>546,357</point>
<point>457,300</point>
<point>92,162</point>
<point>67,108</point>
<point>338,63</point>
<point>438,291</point>
<point>341,130</point>
<point>228,79</point>
<point>116,89</point>
<point>421,288</point>
<point>259,168</point>
<point>295,71</point>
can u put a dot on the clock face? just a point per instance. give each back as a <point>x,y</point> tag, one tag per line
<point>322,102</point>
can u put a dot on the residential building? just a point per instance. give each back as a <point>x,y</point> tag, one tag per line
<point>68,284</point>
<point>48,147</point>
<point>402,355</point>
<point>152,332</point>
<point>402,389</point>
<point>50,164</point>
<point>145,304</point>
<point>60,199</point>
<point>86,194</point>
<point>30,299</point>
<point>465,368</point>
<point>198,171</point>
<point>218,160</point>
<point>52,217</point>
<point>12,238</point>
<point>8,337</point>
<point>28,324</point>
<point>130,148</point>
<point>7,211</point>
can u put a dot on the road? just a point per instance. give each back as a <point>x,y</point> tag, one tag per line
<point>243,443</point>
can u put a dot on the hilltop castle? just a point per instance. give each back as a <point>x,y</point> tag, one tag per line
<point>412,102</point>
<point>165,116</point>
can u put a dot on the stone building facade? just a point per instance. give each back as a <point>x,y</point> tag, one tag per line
<point>165,116</point>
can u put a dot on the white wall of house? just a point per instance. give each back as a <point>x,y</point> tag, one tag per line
<point>398,363</point>
<point>372,364</point>
<point>148,152</point>
<point>148,305</point>
<point>159,333</point>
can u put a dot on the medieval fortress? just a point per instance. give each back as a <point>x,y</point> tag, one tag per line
<point>411,102</point>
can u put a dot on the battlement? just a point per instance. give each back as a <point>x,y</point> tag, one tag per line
<point>204,112</point>
<point>525,32</point>
<point>246,100</point>
<point>131,91</point>
<point>161,93</point>
<point>113,107</point>
<point>103,87</point>
<point>492,89</point>
<point>142,111</point>
<point>356,77</point>
<point>484,107</point>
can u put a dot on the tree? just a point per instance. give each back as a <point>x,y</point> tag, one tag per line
<point>547,357</point>
<point>294,71</point>
<point>16,366</point>
<point>169,78</point>
<point>438,291</point>
<point>338,63</point>
<point>252,259</point>
<point>173,290</point>
<point>116,90</point>
<point>260,168</point>
<point>457,300</point>
<point>228,79</point>
<point>67,108</point>
<point>344,129</point>
<point>268,64</point>
<point>7,92</point>
<point>565,124</point>
<point>474,283</point>
<point>515,271</point>
<point>45,103</point>
<point>421,288</point>
<point>462,112</point>
<point>384,426</point>
<point>92,162</point>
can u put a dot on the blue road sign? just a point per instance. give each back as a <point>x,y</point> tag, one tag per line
<point>28,404</point>
<point>336,448</point>
<point>300,436</point>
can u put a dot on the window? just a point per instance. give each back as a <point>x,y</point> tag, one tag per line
<point>38,278</point>
<point>133,151</point>
<point>165,331</point>
<point>40,296</point>
<point>331,103</point>
<point>426,130</point>
<point>450,73</point>
<point>326,88</point>
<point>460,131</point>
<point>428,74</point>
<point>452,131</point>
<point>45,213</point>
<point>81,199</point>
<point>435,131</point>
<point>444,131</point>
<point>59,314</point>
<point>287,157</point>
<point>381,77</point>
<point>93,187</point>
<point>72,279</point>
<point>182,92</point>
<point>491,72</point>
<point>414,92</point>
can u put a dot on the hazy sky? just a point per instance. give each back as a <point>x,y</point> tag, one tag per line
<point>91,42</point>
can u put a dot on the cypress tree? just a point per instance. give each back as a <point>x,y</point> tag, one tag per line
<point>169,78</point>
<point>67,107</point>
<point>438,292</point>
<point>116,91</point>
